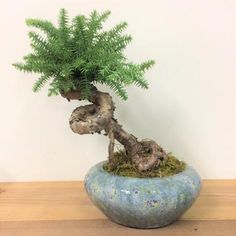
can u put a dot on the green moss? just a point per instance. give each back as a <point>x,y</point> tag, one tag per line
<point>170,166</point>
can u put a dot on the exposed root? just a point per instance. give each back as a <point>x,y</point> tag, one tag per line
<point>93,118</point>
<point>170,166</point>
<point>149,156</point>
<point>111,158</point>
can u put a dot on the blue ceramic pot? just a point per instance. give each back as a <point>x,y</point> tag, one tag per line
<point>142,202</point>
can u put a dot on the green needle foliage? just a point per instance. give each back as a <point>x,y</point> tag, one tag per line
<point>79,53</point>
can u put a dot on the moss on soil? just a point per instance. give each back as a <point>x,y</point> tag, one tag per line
<point>170,166</point>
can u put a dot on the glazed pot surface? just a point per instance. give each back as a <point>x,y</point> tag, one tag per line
<point>142,202</point>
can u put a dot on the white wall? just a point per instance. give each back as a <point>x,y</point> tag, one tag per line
<point>189,109</point>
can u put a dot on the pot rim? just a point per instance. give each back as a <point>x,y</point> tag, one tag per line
<point>185,172</point>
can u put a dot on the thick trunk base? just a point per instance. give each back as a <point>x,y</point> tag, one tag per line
<point>98,116</point>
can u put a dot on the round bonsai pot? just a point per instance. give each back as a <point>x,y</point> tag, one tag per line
<point>142,202</point>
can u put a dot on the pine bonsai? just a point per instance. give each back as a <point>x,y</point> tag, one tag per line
<point>73,58</point>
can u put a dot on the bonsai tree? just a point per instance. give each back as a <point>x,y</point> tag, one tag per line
<point>76,56</point>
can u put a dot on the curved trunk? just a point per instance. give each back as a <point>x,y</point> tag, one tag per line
<point>99,116</point>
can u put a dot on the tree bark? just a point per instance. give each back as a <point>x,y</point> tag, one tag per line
<point>98,116</point>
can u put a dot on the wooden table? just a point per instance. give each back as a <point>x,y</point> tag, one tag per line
<point>63,209</point>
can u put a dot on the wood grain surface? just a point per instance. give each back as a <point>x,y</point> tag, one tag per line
<point>63,208</point>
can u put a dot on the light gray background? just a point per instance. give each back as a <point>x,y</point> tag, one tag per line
<point>189,109</point>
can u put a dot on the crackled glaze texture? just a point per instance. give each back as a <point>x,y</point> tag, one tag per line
<point>142,202</point>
